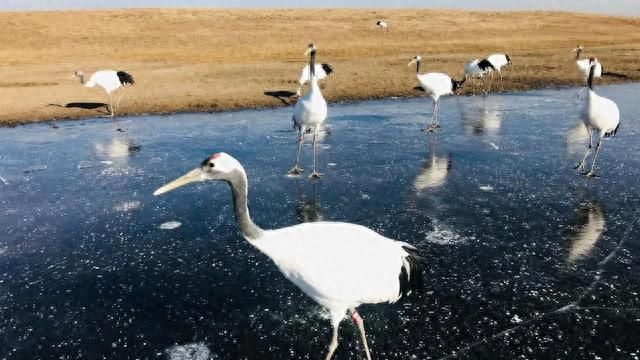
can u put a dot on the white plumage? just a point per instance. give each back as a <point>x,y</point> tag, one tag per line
<point>598,114</point>
<point>109,81</point>
<point>339,265</point>
<point>583,65</point>
<point>309,113</point>
<point>321,70</point>
<point>435,85</point>
<point>477,69</point>
<point>498,61</point>
<point>382,25</point>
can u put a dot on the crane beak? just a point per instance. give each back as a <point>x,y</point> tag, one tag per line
<point>413,61</point>
<point>306,52</point>
<point>72,76</point>
<point>192,176</point>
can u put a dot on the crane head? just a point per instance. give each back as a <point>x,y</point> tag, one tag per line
<point>219,166</point>
<point>77,73</point>
<point>310,48</point>
<point>578,48</point>
<point>415,59</point>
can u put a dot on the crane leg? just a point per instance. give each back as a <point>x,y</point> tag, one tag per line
<point>360,323</point>
<point>501,84</point>
<point>296,170</point>
<point>315,174</point>
<point>433,117</point>
<point>334,342</point>
<point>490,81</point>
<point>580,165</point>
<point>111,105</point>
<point>119,98</point>
<point>593,165</point>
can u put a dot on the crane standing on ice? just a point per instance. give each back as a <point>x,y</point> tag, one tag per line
<point>339,265</point>
<point>598,114</point>
<point>109,81</point>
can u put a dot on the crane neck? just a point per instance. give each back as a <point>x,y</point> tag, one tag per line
<point>239,189</point>
<point>590,80</point>
<point>81,76</point>
<point>578,54</point>
<point>418,67</point>
<point>312,71</point>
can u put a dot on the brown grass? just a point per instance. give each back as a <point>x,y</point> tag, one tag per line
<point>199,60</point>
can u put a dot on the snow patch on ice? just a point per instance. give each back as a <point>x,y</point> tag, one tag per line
<point>443,235</point>
<point>127,206</point>
<point>486,187</point>
<point>170,225</point>
<point>193,351</point>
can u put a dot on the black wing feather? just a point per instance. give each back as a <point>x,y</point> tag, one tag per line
<point>411,273</point>
<point>327,69</point>
<point>125,78</point>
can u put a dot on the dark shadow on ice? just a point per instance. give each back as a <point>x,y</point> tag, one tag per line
<point>287,97</point>
<point>85,106</point>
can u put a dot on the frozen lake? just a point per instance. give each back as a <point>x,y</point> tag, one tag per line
<point>526,259</point>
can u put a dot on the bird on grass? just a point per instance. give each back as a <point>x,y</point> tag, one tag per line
<point>339,265</point>
<point>498,61</point>
<point>598,114</point>
<point>477,69</point>
<point>382,25</point>
<point>435,85</point>
<point>109,81</point>
<point>321,71</point>
<point>583,66</point>
<point>309,113</point>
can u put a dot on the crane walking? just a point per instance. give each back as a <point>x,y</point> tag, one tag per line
<point>309,113</point>
<point>109,81</point>
<point>435,85</point>
<point>339,265</point>
<point>598,114</point>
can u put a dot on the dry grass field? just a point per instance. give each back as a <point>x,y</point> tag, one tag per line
<point>202,60</point>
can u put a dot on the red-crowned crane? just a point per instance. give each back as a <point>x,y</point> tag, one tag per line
<point>321,71</point>
<point>598,114</point>
<point>109,81</point>
<point>339,265</point>
<point>583,66</point>
<point>382,25</point>
<point>477,69</point>
<point>435,85</point>
<point>498,61</point>
<point>309,113</point>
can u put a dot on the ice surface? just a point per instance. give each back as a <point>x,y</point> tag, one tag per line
<point>524,258</point>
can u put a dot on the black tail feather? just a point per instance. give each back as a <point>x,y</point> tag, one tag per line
<point>411,279</point>
<point>125,78</point>
<point>613,132</point>
<point>327,69</point>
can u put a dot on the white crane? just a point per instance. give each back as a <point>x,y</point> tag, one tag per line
<point>435,85</point>
<point>309,113</point>
<point>339,265</point>
<point>321,70</point>
<point>477,69</point>
<point>598,114</point>
<point>109,81</point>
<point>498,61</point>
<point>584,66</point>
<point>382,25</point>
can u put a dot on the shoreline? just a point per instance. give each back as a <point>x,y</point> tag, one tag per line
<point>276,106</point>
<point>210,60</point>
